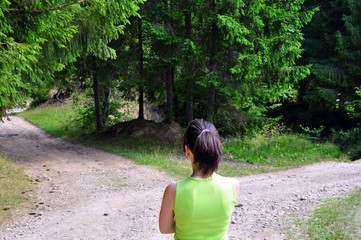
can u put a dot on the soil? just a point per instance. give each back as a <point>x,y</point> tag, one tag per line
<point>169,132</point>
<point>85,193</point>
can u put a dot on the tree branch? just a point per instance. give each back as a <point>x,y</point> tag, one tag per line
<point>43,10</point>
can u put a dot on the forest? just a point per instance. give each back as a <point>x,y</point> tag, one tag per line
<point>240,64</point>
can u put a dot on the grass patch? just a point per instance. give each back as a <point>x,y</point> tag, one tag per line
<point>336,219</point>
<point>147,152</point>
<point>166,157</point>
<point>14,185</point>
<point>287,150</point>
<point>268,154</point>
<point>54,119</point>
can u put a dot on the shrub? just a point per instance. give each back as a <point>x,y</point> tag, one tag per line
<point>349,141</point>
<point>84,112</point>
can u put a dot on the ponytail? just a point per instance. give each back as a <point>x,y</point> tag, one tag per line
<point>203,140</point>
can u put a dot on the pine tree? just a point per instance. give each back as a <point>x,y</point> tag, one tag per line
<point>251,49</point>
<point>32,36</point>
<point>333,47</point>
<point>48,38</point>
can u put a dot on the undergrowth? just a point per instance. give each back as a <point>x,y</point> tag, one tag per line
<point>282,150</point>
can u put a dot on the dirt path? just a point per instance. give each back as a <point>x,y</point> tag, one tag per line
<point>86,193</point>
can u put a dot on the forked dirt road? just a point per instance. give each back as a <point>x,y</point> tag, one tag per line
<point>84,193</point>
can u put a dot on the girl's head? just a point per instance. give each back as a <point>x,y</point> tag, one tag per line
<point>203,140</point>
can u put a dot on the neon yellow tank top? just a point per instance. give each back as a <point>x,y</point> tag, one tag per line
<point>203,208</point>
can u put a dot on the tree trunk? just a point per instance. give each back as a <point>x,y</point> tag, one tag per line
<point>106,106</point>
<point>175,96</point>
<point>211,101</point>
<point>168,75</point>
<point>212,69</point>
<point>189,68</point>
<point>98,116</point>
<point>169,87</point>
<point>141,89</point>
<point>303,89</point>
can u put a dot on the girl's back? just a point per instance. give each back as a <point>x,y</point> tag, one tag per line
<point>200,207</point>
<point>203,207</point>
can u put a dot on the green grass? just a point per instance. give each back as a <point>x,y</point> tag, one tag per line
<point>288,150</point>
<point>53,119</point>
<point>337,219</point>
<point>268,154</point>
<point>14,187</point>
<point>164,156</point>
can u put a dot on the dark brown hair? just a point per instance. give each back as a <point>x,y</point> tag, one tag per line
<point>203,140</point>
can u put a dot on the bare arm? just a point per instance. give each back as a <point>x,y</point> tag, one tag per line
<point>166,215</point>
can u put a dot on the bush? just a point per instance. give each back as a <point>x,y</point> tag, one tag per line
<point>84,112</point>
<point>349,141</point>
<point>231,122</point>
<point>39,97</point>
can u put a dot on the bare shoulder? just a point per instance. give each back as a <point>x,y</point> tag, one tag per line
<point>171,188</point>
<point>236,185</point>
<point>169,192</point>
<point>169,196</point>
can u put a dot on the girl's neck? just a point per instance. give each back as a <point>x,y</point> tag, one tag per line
<point>199,174</point>
<point>196,173</point>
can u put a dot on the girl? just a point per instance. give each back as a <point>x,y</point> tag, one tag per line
<point>200,206</point>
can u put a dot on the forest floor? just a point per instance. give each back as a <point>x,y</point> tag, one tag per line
<point>85,193</point>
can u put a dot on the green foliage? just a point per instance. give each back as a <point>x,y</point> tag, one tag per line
<point>83,116</point>
<point>266,66</point>
<point>231,122</point>
<point>354,108</point>
<point>50,36</point>
<point>40,93</point>
<point>247,64</point>
<point>332,42</point>
<point>314,133</point>
<point>327,97</point>
<point>349,141</point>
<point>250,62</point>
<point>30,43</point>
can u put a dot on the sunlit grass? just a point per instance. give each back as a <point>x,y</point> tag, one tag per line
<point>53,119</point>
<point>289,150</point>
<point>336,219</point>
<point>14,186</point>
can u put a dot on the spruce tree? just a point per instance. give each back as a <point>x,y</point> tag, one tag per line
<point>333,47</point>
